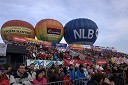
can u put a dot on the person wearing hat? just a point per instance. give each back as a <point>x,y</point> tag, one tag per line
<point>3,78</point>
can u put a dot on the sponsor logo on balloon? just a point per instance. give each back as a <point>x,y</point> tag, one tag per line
<point>81,31</point>
<point>20,30</point>
<point>81,34</point>
<point>53,31</point>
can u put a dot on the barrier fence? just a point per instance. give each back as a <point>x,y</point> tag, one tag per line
<point>69,82</point>
<point>80,81</point>
<point>118,78</point>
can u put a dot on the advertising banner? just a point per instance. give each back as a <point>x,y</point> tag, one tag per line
<point>34,40</point>
<point>106,49</point>
<point>17,30</point>
<point>19,39</point>
<point>3,48</point>
<point>101,62</point>
<point>77,62</point>
<point>49,63</point>
<point>3,61</point>
<point>45,63</point>
<point>76,47</point>
<point>119,60</point>
<point>47,44</point>
<point>53,32</point>
<point>61,45</point>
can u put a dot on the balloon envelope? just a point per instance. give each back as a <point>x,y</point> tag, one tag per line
<point>81,31</point>
<point>17,28</point>
<point>49,30</point>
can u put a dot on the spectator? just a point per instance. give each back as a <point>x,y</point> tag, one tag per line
<point>40,79</point>
<point>9,73</point>
<point>67,79</point>
<point>65,69</point>
<point>3,78</point>
<point>42,55</point>
<point>80,75</point>
<point>107,69</point>
<point>21,77</point>
<point>32,71</point>
<point>60,73</point>
<point>126,71</point>
<point>7,69</point>
<point>72,72</point>
<point>98,79</point>
<point>55,57</point>
<point>52,70</point>
<point>61,55</point>
<point>115,69</point>
<point>91,70</point>
<point>41,67</point>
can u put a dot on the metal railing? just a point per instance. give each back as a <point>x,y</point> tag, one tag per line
<point>69,82</point>
<point>59,83</point>
<point>80,81</point>
<point>118,78</point>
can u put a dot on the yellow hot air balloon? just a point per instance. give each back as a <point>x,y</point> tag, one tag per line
<point>49,30</point>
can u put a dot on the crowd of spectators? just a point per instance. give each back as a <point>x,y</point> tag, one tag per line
<point>42,52</point>
<point>90,54</point>
<point>92,75</point>
<point>69,75</point>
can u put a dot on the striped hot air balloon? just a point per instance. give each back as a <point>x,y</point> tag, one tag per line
<point>17,28</point>
<point>49,30</point>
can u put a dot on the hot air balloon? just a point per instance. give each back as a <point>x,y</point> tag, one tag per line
<point>80,31</point>
<point>49,30</point>
<point>17,28</point>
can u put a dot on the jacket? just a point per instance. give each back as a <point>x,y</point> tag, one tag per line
<point>72,74</point>
<point>80,75</point>
<point>24,79</point>
<point>41,82</point>
<point>11,79</point>
<point>92,82</point>
<point>67,80</point>
<point>4,80</point>
<point>32,73</point>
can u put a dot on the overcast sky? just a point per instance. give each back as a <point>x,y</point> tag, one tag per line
<point>111,16</point>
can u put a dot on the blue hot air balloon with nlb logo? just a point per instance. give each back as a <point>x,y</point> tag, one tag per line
<point>81,31</point>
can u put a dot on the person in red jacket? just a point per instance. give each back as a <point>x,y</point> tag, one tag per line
<point>67,79</point>
<point>3,78</point>
<point>42,55</point>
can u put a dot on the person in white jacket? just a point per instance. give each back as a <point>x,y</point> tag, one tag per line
<point>21,77</point>
<point>31,70</point>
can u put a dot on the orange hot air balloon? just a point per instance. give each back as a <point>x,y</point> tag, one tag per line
<point>17,28</point>
<point>49,30</point>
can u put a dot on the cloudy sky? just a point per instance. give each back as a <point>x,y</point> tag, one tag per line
<point>111,16</point>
